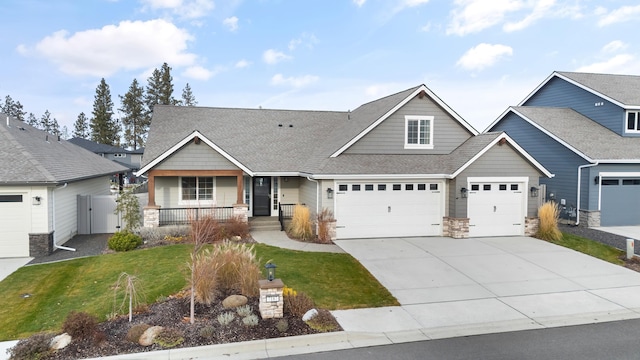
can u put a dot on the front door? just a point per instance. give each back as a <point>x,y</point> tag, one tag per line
<point>262,196</point>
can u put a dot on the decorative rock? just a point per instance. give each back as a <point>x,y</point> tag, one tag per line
<point>60,342</point>
<point>147,337</point>
<point>309,315</point>
<point>236,238</point>
<point>234,301</point>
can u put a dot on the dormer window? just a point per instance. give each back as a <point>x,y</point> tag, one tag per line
<point>633,122</point>
<point>418,132</point>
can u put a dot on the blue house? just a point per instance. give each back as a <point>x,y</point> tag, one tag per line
<point>584,128</point>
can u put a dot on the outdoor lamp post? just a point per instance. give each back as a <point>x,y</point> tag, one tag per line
<point>271,271</point>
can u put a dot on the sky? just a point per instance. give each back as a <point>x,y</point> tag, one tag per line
<point>478,56</point>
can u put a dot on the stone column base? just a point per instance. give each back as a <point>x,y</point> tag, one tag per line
<point>271,299</point>
<point>151,216</point>
<point>40,244</point>
<point>531,225</point>
<point>241,211</point>
<point>589,218</point>
<point>457,228</point>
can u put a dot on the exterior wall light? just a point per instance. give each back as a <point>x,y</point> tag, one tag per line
<point>271,271</point>
<point>329,193</point>
<point>534,191</point>
<point>596,180</point>
<point>463,193</point>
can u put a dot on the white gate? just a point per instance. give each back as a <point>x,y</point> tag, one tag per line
<point>96,213</point>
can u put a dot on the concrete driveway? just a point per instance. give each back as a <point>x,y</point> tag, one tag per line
<point>630,232</point>
<point>449,287</point>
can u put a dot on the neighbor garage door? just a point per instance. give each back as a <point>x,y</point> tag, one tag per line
<point>620,202</point>
<point>389,209</point>
<point>496,208</point>
<point>14,225</point>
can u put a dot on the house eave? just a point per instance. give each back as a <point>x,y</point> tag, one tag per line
<point>378,176</point>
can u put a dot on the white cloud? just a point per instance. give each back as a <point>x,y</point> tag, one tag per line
<point>614,46</point>
<point>619,64</point>
<point>242,64</point>
<point>359,3</point>
<point>540,10</point>
<point>296,82</point>
<point>187,9</point>
<point>426,28</point>
<point>272,56</point>
<point>623,14</point>
<point>483,55</point>
<point>129,45</point>
<point>231,23</point>
<point>472,16</point>
<point>308,40</point>
<point>199,73</point>
<point>413,3</point>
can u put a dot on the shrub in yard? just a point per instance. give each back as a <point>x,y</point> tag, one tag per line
<point>323,322</point>
<point>300,225</point>
<point>34,347</point>
<point>235,226</point>
<point>239,268</point>
<point>226,318</point>
<point>251,320</point>
<point>548,214</point>
<point>208,230</point>
<point>207,332</point>
<point>298,304</point>
<point>282,325</point>
<point>324,219</point>
<point>124,241</point>
<point>169,337</point>
<point>134,333</point>
<point>80,325</point>
<point>204,276</point>
<point>244,311</point>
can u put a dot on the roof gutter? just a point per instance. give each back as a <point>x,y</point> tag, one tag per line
<point>53,205</point>
<point>578,194</point>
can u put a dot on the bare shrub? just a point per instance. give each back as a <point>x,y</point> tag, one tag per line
<point>300,226</point>
<point>130,286</point>
<point>235,226</point>
<point>297,303</point>
<point>80,325</point>
<point>157,235</point>
<point>323,322</point>
<point>324,220</point>
<point>548,214</point>
<point>208,230</point>
<point>34,347</point>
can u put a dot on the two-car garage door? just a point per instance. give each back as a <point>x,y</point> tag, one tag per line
<point>389,209</point>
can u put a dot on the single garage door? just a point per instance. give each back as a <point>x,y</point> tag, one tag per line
<point>389,209</point>
<point>496,209</point>
<point>14,225</point>
<point>620,202</point>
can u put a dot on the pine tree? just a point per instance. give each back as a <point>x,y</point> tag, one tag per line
<point>160,88</point>
<point>81,127</point>
<point>187,97</point>
<point>135,120</point>
<point>104,128</point>
<point>46,122</point>
<point>13,108</point>
<point>32,120</point>
<point>55,127</point>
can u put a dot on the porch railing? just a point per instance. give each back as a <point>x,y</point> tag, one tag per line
<point>285,211</point>
<point>182,216</point>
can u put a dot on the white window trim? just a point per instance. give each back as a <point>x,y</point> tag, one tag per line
<point>408,118</point>
<point>626,117</point>
<point>196,202</point>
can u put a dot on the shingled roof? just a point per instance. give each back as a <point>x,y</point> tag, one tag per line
<point>32,156</point>
<point>624,89</point>
<point>588,138</point>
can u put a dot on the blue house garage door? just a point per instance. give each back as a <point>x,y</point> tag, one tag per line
<point>620,202</point>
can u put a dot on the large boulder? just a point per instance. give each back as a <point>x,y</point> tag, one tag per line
<point>310,315</point>
<point>147,337</point>
<point>234,301</point>
<point>60,342</point>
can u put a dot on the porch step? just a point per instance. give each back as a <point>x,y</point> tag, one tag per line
<point>264,223</point>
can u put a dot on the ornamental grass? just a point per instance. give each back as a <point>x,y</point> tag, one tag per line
<point>548,228</point>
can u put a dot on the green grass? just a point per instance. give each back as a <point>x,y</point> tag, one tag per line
<point>334,281</point>
<point>590,247</point>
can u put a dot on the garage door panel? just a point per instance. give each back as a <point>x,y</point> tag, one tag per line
<point>496,210</point>
<point>620,204</point>
<point>14,225</point>
<point>388,212</point>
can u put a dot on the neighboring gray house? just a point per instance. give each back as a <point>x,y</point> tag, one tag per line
<point>403,165</point>
<point>41,177</point>
<point>124,157</point>
<point>585,128</point>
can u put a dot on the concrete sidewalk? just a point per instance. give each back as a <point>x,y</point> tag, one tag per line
<point>281,240</point>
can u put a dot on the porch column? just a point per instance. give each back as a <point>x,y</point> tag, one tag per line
<point>240,187</point>
<point>152,189</point>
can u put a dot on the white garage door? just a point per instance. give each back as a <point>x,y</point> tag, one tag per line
<point>496,208</point>
<point>389,209</point>
<point>14,225</point>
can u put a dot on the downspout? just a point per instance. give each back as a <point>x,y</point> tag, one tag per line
<point>579,183</point>
<point>317,192</point>
<point>53,205</point>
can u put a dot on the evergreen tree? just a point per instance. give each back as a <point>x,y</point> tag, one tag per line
<point>13,108</point>
<point>55,127</point>
<point>160,89</point>
<point>187,97</point>
<point>32,120</point>
<point>135,120</point>
<point>81,126</point>
<point>104,128</point>
<point>46,122</point>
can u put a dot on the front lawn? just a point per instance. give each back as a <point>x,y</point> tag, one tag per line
<point>37,298</point>
<point>591,247</point>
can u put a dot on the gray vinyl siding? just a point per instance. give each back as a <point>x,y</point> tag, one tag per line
<point>559,93</point>
<point>499,161</point>
<point>196,157</point>
<point>226,190</point>
<point>289,190</point>
<point>167,191</point>
<point>326,203</point>
<point>389,136</point>
<point>556,158</point>
<point>591,192</point>
<point>308,193</point>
